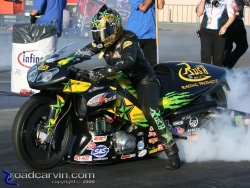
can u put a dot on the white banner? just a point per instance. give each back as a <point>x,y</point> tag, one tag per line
<point>24,56</point>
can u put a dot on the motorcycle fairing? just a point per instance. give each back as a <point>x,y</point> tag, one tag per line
<point>54,113</point>
<point>192,77</point>
<point>75,86</point>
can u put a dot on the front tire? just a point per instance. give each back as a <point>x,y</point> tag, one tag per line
<point>28,121</point>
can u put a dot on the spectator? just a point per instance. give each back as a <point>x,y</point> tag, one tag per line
<point>218,15</point>
<point>236,33</point>
<point>48,11</point>
<point>142,22</point>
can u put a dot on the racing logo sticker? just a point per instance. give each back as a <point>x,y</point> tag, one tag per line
<point>195,74</point>
<point>100,151</point>
<point>28,58</point>
<point>193,122</point>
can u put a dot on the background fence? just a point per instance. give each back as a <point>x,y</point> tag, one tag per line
<point>171,13</point>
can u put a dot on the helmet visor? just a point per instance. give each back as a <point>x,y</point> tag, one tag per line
<point>99,35</point>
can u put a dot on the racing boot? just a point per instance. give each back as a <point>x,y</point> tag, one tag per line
<point>173,161</point>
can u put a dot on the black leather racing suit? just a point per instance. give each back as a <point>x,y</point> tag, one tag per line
<point>126,55</point>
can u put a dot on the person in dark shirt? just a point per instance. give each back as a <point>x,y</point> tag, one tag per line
<point>121,51</point>
<point>236,33</point>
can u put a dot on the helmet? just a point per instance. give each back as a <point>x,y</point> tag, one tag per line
<point>106,27</point>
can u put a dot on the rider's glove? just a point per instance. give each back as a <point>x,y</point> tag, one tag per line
<point>33,18</point>
<point>79,74</point>
<point>74,73</point>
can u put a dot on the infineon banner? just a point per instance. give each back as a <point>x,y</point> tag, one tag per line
<point>30,43</point>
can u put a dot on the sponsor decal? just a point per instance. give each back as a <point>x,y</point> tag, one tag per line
<point>100,99</point>
<point>100,151</point>
<point>142,153</point>
<point>99,138</point>
<point>43,67</point>
<point>151,128</point>
<point>157,118</point>
<point>28,58</point>
<point>91,146</point>
<point>83,158</point>
<point>153,140</point>
<point>153,151</point>
<point>128,156</point>
<point>193,74</point>
<point>100,159</point>
<point>160,147</point>
<point>178,123</point>
<point>203,83</point>
<point>239,121</point>
<point>95,89</point>
<point>193,122</point>
<point>151,134</point>
<point>193,131</point>
<point>177,130</point>
<point>174,100</point>
<point>246,121</point>
<point>140,145</point>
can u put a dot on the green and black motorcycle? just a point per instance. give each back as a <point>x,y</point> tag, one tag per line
<point>77,122</point>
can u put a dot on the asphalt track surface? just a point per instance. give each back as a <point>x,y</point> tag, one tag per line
<point>177,42</point>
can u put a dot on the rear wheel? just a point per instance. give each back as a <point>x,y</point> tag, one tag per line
<point>218,94</point>
<point>31,119</point>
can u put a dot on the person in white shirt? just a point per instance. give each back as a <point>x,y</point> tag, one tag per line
<point>217,16</point>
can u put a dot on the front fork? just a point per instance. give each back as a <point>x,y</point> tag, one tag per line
<point>52,120</point>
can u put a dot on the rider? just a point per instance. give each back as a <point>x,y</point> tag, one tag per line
<point>121,50</point>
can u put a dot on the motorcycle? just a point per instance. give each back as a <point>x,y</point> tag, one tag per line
<point>79,122</point>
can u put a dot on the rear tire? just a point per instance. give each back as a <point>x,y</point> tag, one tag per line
<point>218,94</point>
<point>27,123</point>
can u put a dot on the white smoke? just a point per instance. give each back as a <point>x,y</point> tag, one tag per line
<point>222,141</point>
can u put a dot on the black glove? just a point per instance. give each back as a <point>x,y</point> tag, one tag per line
<point>77,74</point>
<point>72,72</point>
<point>33,19</point>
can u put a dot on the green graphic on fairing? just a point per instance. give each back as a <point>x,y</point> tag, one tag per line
<point>125,83</point>
<point>174,100</point>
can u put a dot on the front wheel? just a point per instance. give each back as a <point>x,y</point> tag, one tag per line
<point>29,120</point>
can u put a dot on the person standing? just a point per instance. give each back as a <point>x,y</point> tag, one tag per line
<point>218,16</point>
<point>47,12</point>
<point>142,22</point>
<point>236,33</point>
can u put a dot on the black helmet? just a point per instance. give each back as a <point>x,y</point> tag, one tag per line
<point>106,26</point>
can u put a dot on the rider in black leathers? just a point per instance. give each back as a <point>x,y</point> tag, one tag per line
<point>121,50</point>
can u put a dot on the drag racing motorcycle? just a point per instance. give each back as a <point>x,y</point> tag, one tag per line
<point>78,122</point>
